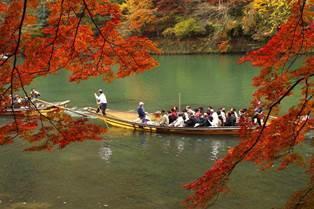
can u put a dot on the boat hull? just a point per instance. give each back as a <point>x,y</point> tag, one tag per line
<point>43,108</point>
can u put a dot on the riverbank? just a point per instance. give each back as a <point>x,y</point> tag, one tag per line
<point>203,46</point>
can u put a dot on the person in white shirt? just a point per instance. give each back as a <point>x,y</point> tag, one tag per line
<point>235,114</point>
<point>189,110</point>
<point>179,122</point>
<point>216,121</point>
<point>101,101</point>
<point>223,115</point>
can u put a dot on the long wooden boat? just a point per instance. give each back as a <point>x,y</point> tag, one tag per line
<point>42,107</point>
<point>127,120</point>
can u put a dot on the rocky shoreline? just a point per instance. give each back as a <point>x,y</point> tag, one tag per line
<point>202,46</point>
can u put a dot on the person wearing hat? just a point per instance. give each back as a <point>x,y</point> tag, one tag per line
<point>101,101</point>
<point>34,94</point>
<point>141,112</point>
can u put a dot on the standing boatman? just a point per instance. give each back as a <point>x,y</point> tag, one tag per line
<point>101,101</point>
<point>141,112</point>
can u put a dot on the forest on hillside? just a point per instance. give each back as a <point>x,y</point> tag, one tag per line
<point>198,26</point>
<point>204,25</point>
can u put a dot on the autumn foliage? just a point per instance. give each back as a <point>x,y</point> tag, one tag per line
<point>141,13</point>
<point>81,36</point>
<point>278,79</point>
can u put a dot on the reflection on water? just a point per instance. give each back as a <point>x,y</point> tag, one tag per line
<point>166,145</point>
<point>105,153</point>
<point>146,171</point>
<point>26,205</point>
<point>180,146</point>
<point>216,149</point>
<point>169,144</point>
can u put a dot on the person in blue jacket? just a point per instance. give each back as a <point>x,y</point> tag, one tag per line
<point>141,112</point>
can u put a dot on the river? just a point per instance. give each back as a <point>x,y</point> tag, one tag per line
<point>137,170</point>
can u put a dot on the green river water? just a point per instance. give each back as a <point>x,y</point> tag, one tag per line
<point>144,171</point>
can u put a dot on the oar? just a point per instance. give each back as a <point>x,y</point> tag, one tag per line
<point>97,105</point>
<point>89,109</point>
<point>61,107</point>
<point>179,95</point>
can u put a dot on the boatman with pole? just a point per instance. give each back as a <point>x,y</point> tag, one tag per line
<point>101,101</point>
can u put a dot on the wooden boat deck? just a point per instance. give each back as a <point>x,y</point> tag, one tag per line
<point>129,116</point>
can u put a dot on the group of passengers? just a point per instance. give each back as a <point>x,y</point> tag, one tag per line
<point>24,102</point>
<point>200,118</point>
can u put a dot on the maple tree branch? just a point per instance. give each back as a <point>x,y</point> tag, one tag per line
<point>14,68</point>
<point>56,36</point>
<point>216,187</point>
<point>95,24</point>
<point>6,90</point>
<point>112,45</point>
<point>101,56</point>
<point>15,60</point>
<point>247,151</point>
<point>19,74</point>
<point>81,15</point>
<point>293,140</point>
<point>289,90</point>
<point>41,116</point>
<point>52,44</point>
<point>306,99</point>
<point>299,22</point>
<point>34,105</point>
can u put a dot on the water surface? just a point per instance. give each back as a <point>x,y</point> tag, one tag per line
<point>137,170</point>
<point>201,80</point>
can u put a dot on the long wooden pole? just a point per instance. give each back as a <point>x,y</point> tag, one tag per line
<point>179,101</point>
<point>62,107</point>
<point>68,109</point>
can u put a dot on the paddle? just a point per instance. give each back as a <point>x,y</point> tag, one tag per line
<point>61,107</point>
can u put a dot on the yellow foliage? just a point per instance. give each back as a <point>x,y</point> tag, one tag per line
<point>231,24</point>
<point>272,12</point>
<point>141,13</point>
<point>124,8</point>
<point>134,5</point>
<point>249,21</point>
<point>308,14</point>
<point>263,17</point>
<point>267,5</point>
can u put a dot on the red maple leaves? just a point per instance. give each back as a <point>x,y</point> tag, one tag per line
<point>80,36</point>
<point>277,80</point>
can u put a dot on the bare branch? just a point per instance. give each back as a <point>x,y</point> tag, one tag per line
<point>15,59</point>
<point>56,36</point>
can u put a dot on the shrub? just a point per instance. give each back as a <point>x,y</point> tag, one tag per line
<point>188,28</point>
<point>209,28</point>
<point>169,32</point>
